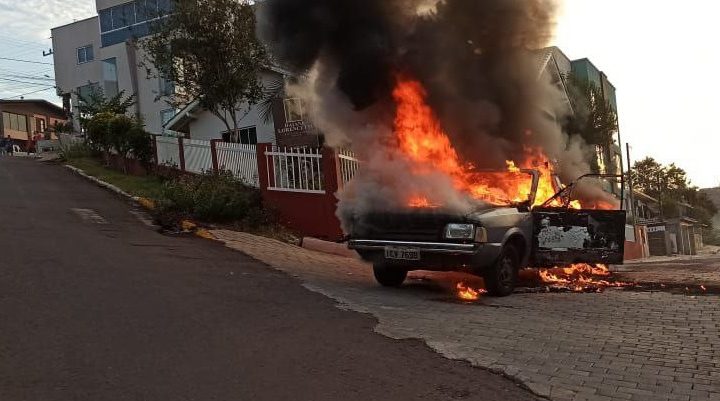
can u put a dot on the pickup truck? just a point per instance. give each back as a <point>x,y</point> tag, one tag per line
<point>492,241</point>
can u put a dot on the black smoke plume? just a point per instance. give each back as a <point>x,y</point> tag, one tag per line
<point>480,61</point>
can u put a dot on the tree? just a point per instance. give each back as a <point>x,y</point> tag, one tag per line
<point>97,131</point>
<point>208,48</point>
<point>670,185</point>
<point>96,103</point>
<point>659,181</point>
<point>594,118</point>
<point>122,133</point>
<point>127,136</point>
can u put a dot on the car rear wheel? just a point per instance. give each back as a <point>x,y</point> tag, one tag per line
<point>389,276</point>
<point>500,278</point>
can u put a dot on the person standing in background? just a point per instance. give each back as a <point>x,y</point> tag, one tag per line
<point>9,145</point>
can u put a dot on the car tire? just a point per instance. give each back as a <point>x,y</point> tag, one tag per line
<point>389,276</point>
<point>501,277</point>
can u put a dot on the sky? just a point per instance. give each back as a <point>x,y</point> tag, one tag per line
<point>661,57</point>
<point>25,35</point>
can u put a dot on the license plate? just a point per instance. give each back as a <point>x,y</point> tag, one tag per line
<point>393,252</point>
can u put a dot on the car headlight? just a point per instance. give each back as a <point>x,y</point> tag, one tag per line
<point>459,231</point>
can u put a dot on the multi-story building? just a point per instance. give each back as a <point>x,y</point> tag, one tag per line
<point>101,52</point>
<point>612,154</point>
<point>609,156</point>
<point>27,120</point>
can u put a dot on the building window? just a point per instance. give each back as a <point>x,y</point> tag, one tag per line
<point>123,15</point>
<point>246,136</point>
<point>165,7</point>
<point>110,77</point>
<point>131,13</point>
<point>15,122</point>
<point>166,116</point>
<point>105,20</point>
<point>40,125</point>
<point>294,110</point>
<point>85,54</point>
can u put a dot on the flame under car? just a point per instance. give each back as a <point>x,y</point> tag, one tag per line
<point>493,241</point>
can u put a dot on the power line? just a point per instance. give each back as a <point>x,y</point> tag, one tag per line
<point>31,77</point>
<point>29,93</point>
<point>23,82</point>
<point>21,41</point>
<point>24,61</point>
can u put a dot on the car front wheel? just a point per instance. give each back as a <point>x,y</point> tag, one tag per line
<point>389,276</point>
<point>500,278</point>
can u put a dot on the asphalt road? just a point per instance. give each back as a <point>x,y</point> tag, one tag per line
<point>95,305</point>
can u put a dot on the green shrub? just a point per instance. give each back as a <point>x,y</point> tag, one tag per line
<point>213,197</point>
<point>76,150</point>
<point>98,133</point>
<point>124,134</point>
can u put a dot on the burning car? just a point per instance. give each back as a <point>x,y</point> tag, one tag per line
<point>494,240</point>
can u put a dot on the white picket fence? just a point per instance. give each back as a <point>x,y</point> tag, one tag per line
<point>239,159</point>
<point>288,169</point>
<point>295,170</point>
<point>348,165</point>
<point>198,156</point>
<point>168,151</point>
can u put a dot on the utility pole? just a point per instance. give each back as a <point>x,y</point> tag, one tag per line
<point>631,196</point>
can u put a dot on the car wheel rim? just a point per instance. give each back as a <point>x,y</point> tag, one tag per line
<point>505,273</point>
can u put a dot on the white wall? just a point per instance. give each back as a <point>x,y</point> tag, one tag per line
<point>207,126</point>
<point>66,39</point>
<point>69,75</point>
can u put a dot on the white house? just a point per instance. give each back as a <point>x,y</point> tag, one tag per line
<point>197,123</point>
<point>101,52</point>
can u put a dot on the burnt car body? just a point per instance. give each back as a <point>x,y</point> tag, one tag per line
<point>491,241</point>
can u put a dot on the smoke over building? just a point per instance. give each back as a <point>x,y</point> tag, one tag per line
<point>478,66</point>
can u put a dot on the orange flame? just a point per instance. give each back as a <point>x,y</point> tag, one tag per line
<point>423,141</point>
<point>579,277</point>
<point>420,201</point>
<point>467,293</point>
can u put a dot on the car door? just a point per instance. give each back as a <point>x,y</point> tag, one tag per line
<point>563,235</point>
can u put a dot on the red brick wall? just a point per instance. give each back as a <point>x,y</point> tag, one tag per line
<point>310,214</point>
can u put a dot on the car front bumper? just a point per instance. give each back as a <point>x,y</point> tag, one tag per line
<point>433,255</point>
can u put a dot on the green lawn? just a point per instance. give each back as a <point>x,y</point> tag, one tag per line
<point>146,187</point>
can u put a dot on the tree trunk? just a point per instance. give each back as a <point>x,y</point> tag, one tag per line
<point>222,118</point>
<point>235,121</point>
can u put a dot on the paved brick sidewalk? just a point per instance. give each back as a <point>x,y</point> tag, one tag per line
<point>616,345</point>
<point>692,272</point>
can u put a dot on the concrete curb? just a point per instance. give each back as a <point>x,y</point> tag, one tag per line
<point>104,184</point>
<point>148,204</point>
<point>332,248</point>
